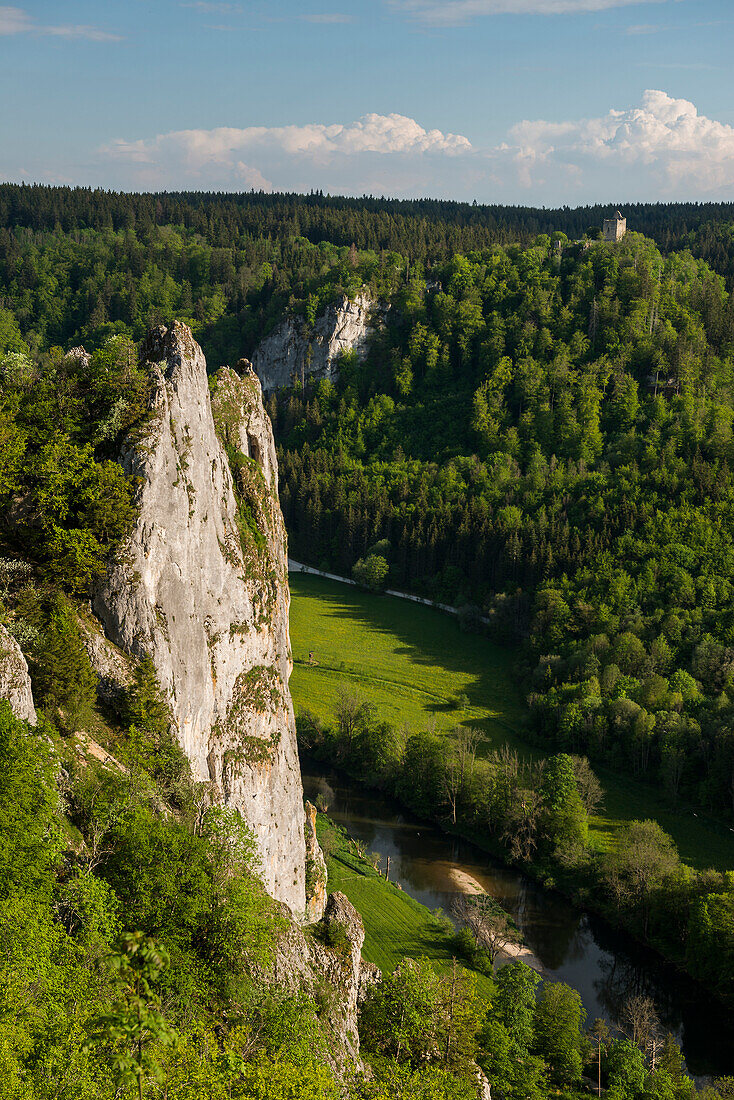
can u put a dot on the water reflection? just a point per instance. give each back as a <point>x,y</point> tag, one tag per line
<point>575,947</point>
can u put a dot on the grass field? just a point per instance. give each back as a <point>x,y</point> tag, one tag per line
<point>396,925</point>
<point>410,660</point>
<point>413,662</point>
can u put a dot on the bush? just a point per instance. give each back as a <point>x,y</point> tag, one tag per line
<point>371,572</point>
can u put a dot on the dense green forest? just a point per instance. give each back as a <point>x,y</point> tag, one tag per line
<point>542,431</point>
<point>138,945</point>
<point>76,264</point>
<point>549,435</point>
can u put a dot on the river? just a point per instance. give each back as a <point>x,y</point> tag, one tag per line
<point>573,946</point>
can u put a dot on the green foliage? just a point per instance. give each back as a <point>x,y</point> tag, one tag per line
<point>625,1070</point>
<point>562,458</point>
<point>371,572</point>
<point>559,1018</point>
<point>149,741</point>
<point>64,683</point>
<point>29,836</point>
<point>135,1020</point>
<point>564,817</point>
<point>513,1004</point>
<point>507,1037</point>
<point>415,1016</point>
<point>393,1081</point>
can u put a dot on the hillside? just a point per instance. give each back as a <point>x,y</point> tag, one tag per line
<point>538,430</point>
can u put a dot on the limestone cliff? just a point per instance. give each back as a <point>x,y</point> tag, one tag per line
<point>294,351</point>
<point>15,683</point>
<point>202,588</point>
<point>316,874</point>
<point>330,958</point>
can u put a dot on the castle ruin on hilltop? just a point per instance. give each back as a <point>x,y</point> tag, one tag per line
<point>615,227</point>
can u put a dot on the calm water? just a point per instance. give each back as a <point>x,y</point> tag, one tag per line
<point>575,947</point>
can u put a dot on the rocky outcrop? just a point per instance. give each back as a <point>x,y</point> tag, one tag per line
<point>113,667</point>
<point>328,963</point>
<point>201,587</point>
<point>316,874</point>
<point>15,683</point>
<point>295,351</point>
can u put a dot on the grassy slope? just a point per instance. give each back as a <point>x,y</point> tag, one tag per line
<point>410,661</point>
<point>396,925</point>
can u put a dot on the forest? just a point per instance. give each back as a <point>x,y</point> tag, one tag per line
<point>542,433</point>
<point>139,946</point>
<point>545,434</point>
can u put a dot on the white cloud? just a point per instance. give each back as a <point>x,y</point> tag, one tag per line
<point>17,21</point>
<point>451,13</point>
<point>252,178</point>
<point>381,134</point>
<point>661,148</point>
<point>664,139</point>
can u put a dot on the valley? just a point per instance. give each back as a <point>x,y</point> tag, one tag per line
<point>413,663</point>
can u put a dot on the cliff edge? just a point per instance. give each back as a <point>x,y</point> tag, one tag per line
<point>202,588</point>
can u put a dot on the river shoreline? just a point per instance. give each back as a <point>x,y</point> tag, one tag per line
<point>626,965</point>
<point>512,952</point>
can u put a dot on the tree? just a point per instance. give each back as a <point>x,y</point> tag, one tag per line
<point>416,1016</point>
<point>507,1036</point>
<point>643,858</point>
<point>639,1022</point>
<point>514,1001</point>
<point>30,840</point>
<point>144,704</point>
<point>590,789</point>
<point>63,677</point>
<point>353,716</point>
<point>559,1017</point>
<point>371,572</point>
<point>625,1071</point>
<point>135,1020</point>
<point>600,1035</point>
<point>490,925</point>
<point>564,818</point>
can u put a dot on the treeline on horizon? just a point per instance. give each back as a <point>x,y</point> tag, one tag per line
<point>419,229</point>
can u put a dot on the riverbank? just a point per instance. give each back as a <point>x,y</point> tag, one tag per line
<point>512,952</point>
<point>605,965</point>
<point>396,925</point>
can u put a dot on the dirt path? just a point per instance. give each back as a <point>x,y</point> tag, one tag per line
<point>299,567</point>
<point>467,884</point>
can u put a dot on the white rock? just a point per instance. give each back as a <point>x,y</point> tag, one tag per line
<point>15,683</point>
<point>291,352</point>
<point>210,608</point>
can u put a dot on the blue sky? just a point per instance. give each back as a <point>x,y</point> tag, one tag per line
<point>526,101</point>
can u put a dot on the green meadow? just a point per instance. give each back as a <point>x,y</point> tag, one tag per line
<point>421,671</point>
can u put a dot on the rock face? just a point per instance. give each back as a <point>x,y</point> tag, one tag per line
<point>15,683</point>
<point>290,352</point>
<point>316,875</point>
<point>113,667</point>
<point>332,955</point>
<point>201,587</point>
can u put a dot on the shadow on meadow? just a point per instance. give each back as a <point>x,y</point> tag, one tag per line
<point>430,643</point>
